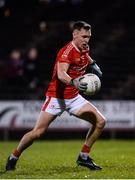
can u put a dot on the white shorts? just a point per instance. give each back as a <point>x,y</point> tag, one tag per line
<point>57,106</point>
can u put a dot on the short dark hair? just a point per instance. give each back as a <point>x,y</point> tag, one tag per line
<point>81,24</point>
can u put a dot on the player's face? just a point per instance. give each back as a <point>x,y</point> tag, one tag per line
<point>81,38</point>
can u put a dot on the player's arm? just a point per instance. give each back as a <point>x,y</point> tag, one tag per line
<point>94,68</point>
<point>62,69</point>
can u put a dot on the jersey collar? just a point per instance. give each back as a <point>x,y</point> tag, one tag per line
<point>75,46</point>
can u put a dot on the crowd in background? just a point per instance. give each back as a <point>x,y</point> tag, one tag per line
<point>20,72</point>
<point>31,32</point>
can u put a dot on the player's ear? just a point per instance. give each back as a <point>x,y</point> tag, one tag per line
<point>75,32</point>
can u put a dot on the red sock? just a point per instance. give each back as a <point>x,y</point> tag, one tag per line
<point>85,149</point>
<point>16,153</point>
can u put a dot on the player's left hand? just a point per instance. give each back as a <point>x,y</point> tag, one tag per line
<point>95,69</point>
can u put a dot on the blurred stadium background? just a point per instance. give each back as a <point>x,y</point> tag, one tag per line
<point>31,33</point>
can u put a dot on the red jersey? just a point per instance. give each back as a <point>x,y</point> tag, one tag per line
<point>78,63</point>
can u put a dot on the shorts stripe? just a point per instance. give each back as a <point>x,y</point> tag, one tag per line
<point>46,104</point>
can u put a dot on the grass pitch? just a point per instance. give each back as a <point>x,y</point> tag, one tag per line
<point>56,160</point>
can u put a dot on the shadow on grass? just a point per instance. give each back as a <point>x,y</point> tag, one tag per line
<point>61,169</point>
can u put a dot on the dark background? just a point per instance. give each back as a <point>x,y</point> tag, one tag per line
<point>44,25</point>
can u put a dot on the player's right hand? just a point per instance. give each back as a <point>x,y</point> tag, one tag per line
<point>77,83</point>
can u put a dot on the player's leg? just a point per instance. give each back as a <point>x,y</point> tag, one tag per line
<point>83,109</point>
<point>51,108</point>
<point>41,126</point>
<point>90,113</point>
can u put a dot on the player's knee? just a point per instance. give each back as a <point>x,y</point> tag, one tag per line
<point>101,123</point>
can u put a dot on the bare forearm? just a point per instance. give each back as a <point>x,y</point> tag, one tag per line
<point>64,77</point>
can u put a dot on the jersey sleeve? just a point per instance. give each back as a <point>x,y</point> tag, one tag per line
<point>63,57</point>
